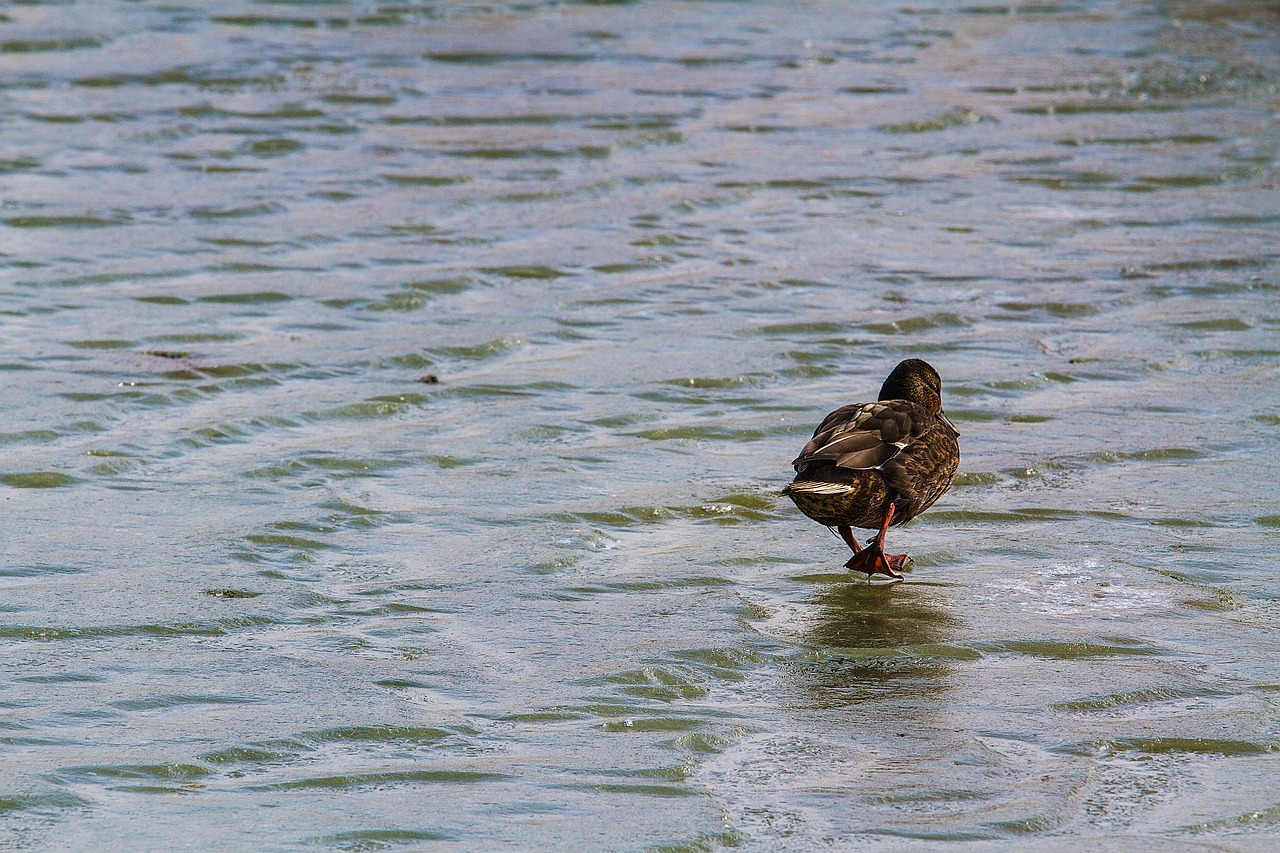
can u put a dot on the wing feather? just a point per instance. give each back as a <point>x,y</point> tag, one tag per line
<point>864,435</point>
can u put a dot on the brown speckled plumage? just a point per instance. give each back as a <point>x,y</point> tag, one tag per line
<point>873,465</point>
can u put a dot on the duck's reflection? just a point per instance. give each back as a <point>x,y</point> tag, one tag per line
<point>875,641</point>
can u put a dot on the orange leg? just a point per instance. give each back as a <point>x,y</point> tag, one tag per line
<point>872,559</point>
<point>846,533</point>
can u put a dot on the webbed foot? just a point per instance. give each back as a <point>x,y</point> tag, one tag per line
<point>874,561</point>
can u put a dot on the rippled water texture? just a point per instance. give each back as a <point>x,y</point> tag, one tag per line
<point>265,585</point>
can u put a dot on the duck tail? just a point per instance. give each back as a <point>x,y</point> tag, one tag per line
<point>816,487</point>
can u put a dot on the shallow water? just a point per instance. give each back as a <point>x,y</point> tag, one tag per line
<point>264,588</point>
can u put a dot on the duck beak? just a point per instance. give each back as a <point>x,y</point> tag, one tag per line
<point>946,420</point>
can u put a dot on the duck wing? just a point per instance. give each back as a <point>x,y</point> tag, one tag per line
<point>864,435</point>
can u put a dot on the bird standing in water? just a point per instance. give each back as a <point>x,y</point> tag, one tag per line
<point>873,465</point>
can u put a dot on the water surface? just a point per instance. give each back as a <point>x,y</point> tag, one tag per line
<point>268,586</point>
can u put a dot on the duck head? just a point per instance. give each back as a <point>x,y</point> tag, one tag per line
<point>917,381</point>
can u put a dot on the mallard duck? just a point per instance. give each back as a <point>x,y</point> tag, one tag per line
<point>873,465</point>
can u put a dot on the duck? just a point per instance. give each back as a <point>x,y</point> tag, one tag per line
<point>877,465</point>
